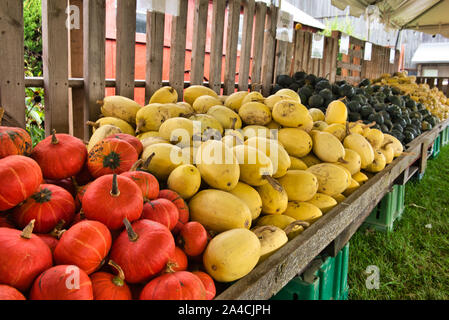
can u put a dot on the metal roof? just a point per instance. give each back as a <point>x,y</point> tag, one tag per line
<point>300,16</point>
<point>432,53</point>
<point>429,16</point>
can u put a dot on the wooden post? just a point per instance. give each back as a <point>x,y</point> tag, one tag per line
<point>231,46</point>
<point>299,46</point>
<point>12,84</point>
<point>216,50</point>
<point>259,28</point>
<point>178,49</point>
<point>247,39</point>
<point>76,103</point>
<point>56,66</point>
<point>269,50</point>
<point>154,53</point>
<point>94,59</point>
<point>126,46</point>
<point>199,41</point>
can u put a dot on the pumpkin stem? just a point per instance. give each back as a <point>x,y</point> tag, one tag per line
<point>2,112</point>
<point>57,231</point>
<point>259,230</point>
<point>137,165</point>
<point>170,267</point>
<point>118,280</point>
<point>342,160</point>
<point>132,235</point>
<point>115,192</point>
<point>28,230</point>
<point>54,140</point>
<point>100,102</point>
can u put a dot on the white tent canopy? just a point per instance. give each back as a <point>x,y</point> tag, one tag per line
<point>429,16</point>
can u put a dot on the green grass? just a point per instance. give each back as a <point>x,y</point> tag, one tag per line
<point>413,260</point>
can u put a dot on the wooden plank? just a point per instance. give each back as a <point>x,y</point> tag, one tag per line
<point>321,62</point>
<point>154,53</point>
<point>56,66</point>
<point>216,51</point>
<point>269,50</point>
<point>231,46</point>
<point>349,66</point>
<point>178,49</point>
<point>328,58</point>
<point>94,58</point>
<point>259,30</point>
<point>334,56</point>
<point>306,52</point>
<point>299,46</point>
<point>76,103</point>
<point>12,62</point>
<point>289,59</point>
<point>125,47</point>
<point>271,275</point>
<point>247,39</point>
<point>281,57</point>
<point>199,41</point>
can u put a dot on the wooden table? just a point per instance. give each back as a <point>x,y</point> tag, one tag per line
<point>334,229</point>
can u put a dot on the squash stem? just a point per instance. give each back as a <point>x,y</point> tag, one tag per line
<point>54,140</point>
<point>132,235</point>
<point>28,230</point>
<point>115,192</point>
<point>118,280</point>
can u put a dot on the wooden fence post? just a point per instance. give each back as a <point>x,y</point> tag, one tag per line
<point>199,42</point>
<point>247,41</point>
<point>231,46</point>
<point>154,53</point>
<point>259,30</point>
<point>12,84</point>
<point>56,66</point>
<point>216,47</point>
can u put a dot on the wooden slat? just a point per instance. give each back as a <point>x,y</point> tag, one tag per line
<point>269,50</point>
<point>178,49</point>
<point>12,85</point>
<point>322,67</point>
<point>199,41</point>
<point>306,52</point>
<point>216,51</point>
<point>349,66</point>
<point>328,58</point>
<point>76,103</point>
<point>247,39</point>
<point>281,57</point>
<point>231,46</point>
<point>299,46</point>
<point>334,54</point>
<point>154,53</point>
<point>356,53</point>
<point>55,61</point>
<point>273,274</point>
<point>126,37</point>
<point>289,59</point>
<point>94,58</point>
<point>259,28</point>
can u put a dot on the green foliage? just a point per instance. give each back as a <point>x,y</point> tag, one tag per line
<point>33,68</point>
<point>337,24</point>
<point>33,37</point>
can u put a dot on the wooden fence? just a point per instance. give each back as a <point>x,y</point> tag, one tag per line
<point>442,83</point>
<point>74,74</point>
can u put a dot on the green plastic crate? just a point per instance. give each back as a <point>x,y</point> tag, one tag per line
<point>325,279</point>
<point>388,210</point>
<point>436,147</point>
<point>445,137</point>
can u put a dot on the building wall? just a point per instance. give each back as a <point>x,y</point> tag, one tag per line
<point>442,70</point>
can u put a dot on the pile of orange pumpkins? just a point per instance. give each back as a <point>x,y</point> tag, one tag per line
<point>93,226</point>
